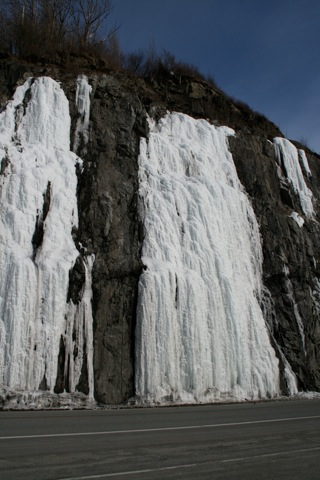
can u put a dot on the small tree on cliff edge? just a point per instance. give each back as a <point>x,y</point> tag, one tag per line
<point>89,20</point>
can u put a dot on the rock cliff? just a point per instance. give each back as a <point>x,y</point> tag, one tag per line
<point>110,225</point>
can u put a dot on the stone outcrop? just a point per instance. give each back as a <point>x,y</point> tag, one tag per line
<point>109,223</point>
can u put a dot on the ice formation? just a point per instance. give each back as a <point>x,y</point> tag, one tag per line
<point>39,210</point>
<point>200,333</point>
<point>304,162</point>
<point>83,105</point>
<point>296,217</point>
<point>288,159</point>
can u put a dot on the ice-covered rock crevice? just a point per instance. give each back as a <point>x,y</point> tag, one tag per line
<point>296,316</point>
<point>200,334</point>
<point>37,251</point>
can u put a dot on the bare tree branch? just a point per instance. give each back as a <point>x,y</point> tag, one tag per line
<point>43,27</point>
<point>90,16</point>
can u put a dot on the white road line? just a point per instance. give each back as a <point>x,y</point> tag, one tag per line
<point>266,455</point>
<point>175,467</point>
<point>160,429</point>
<point>133,472</point>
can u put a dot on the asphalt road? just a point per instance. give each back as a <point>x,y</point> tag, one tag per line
<point>275,440</point>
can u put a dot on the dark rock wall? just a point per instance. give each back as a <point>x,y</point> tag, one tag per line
<point>108,188</point>
<point>109,223</point>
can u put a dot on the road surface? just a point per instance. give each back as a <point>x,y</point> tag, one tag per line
<point>278,440</point>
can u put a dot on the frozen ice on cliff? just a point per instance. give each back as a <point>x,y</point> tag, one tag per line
<point>200,334</point>
<point>39,210</point>
<point>288,159</point>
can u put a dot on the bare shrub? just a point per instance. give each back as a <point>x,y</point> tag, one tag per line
<point>304,142</point>
<point>88,20</point>
<point>113,53</point>
<point>150,63</point>
<point>211,80</point>
<point>134,62</point>
<point>47,27</point>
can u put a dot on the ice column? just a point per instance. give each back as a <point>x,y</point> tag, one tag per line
<point>200,334</point>
<point>304,162</point>
<point>39,210</point>
<point>83,104</point>
<point>79,334</point>
<point>288,158</point>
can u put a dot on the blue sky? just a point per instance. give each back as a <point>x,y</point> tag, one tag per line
<point>263,52</point>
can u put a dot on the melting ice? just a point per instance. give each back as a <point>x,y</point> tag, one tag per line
<point>39,211</point>
<point>200,334</point>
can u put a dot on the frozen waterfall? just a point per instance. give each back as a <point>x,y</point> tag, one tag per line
<point>200,333</point>
<point>289,159</point>
<point>39,210</point>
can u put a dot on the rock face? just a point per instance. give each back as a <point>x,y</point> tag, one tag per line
<point>109,228</point>
<point>291,253</point>
<point>110,225</point>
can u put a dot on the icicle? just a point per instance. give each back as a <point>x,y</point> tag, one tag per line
<point>200,332</point>
<point>79,335</point>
